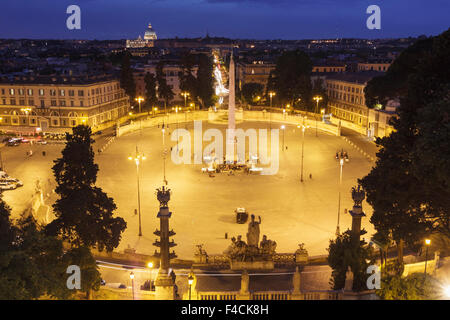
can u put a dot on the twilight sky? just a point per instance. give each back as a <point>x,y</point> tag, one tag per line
<point>255,19</point>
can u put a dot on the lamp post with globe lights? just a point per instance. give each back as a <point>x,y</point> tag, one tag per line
<point>138,157</point>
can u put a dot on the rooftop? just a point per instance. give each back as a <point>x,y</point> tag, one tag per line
<point>56,79</point>
<point>361,77</point>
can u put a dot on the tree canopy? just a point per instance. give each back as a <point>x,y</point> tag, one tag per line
<point>291,79</point>
<point>84,213</point>
<point>409,188</point>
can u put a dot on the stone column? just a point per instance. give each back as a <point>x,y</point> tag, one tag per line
<point>164,284</point>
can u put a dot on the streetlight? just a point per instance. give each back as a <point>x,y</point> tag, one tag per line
<point>27,113</point>
<point>282,128</point>
<point>185,94</point>
<point>139,100</point>
<point>271,94</point>
<point>341,162</point>
<point>317,99</point>
<point>427,244</point>
<point>190,281</point>
<point>137,159</point>
<point>176,116</point>
<point>303,144</point>
<point>132,283</point>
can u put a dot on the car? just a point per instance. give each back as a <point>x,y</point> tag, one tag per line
<point>13,143</point>
<point>41,141</point>
<point>241,215</point>
<point>13,181</point>
<point>7,186</point>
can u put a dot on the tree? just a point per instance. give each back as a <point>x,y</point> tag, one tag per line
<point>91,279</point>
<point>205,81</point>
<point>31,263</point>
<point>188,80</point>
<point>84,213</point>
<point>291,80</point>
<point>126,77</point>
<point>150,89</point>
<point>164,90</point>
<point>251,91</point>
<point>409,188</point>
<point>344,253</point>
<point>412,287</point>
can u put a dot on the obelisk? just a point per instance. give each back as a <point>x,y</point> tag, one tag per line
<point>230,156</point>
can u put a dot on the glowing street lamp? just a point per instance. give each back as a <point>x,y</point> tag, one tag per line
<point>132,283</point>
<point>139,100</point>
<point>303,145</point>
<point>282,128</point>
<point>137,159</point>
<point>27,112</point>
<point>427,244</point>
<point>341,162</point>
<point>190,281</point>
<point>271,94</point>
<point>185,94</point>
<point>317,99</point>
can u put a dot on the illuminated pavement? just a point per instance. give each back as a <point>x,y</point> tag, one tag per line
<point>203,207</point>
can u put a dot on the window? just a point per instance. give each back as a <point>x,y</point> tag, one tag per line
<point>53,103</point>
<point>81,104</point>
<point>72,103</point>
<point>55,122</point>
<point>30,92</point>
<point>62,92</point>
<point>52,92</point>
<point>21,92</point>
<point>42,104</point>
<point>11,92</point>
<point>80,93</point>
<point>41,92</point>
<point>4,101</point>
<point>33,121</point>
<point>3,91</point>
<point>62,103</point>
<point>71,93</point>
<point>13,102</point>
<point>22,102</point>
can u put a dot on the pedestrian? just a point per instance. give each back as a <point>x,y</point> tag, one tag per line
<point>310,176</point>
<point>43,153</point>
<point>286,148</point>
<point>226,235</point>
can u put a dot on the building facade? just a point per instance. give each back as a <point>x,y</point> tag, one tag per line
<point>255,72</point>
<point>375,65</point>
<point>43,103</point>
<point>172,74</point>
<point>346,101</point>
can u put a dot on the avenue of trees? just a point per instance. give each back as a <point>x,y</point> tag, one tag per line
<point>409,187</point>
<point>34,258</point>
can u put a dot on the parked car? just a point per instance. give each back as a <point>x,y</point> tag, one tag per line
<point>13,181</point>
<point>7,186</point>
<point>13,143</point>
<point>41,141</point>
<point>241,215</point>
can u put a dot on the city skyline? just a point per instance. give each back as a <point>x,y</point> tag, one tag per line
<point>249,19</point>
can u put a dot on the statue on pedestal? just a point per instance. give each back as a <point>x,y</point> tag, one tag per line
<point>253,232</point>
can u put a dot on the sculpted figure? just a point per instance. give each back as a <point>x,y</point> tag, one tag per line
<point>253,232</point>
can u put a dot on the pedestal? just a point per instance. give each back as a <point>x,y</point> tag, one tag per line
<point>164,286</point>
